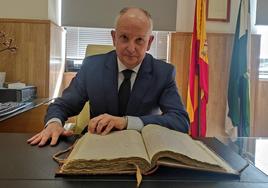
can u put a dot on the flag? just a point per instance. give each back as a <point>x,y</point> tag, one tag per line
<point>238,88</point>
<point>197,96</point>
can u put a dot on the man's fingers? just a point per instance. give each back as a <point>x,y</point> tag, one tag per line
<point>35,141</point>
<point>40,137</point>
<point>54,138</point>
<point>67,133</point>
<point>108,128</point>
<point>57,133</point>
<point>92,124</point>
<point>33,138</point>
<point>103,123</point>
<point>52,131</point>
<point>91,127</point>
<point>100,127</point>
<point>100,124</point>
<point>44,139</point>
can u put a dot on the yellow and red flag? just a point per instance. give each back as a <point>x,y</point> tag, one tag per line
<point>197,96</point>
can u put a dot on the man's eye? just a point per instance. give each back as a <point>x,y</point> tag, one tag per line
<point>124,38</point>
<point>140,41</point>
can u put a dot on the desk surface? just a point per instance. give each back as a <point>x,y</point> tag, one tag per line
<point>22,165</point>
<point>254,149</point>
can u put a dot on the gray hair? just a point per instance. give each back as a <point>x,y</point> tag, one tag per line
<point>146,13</point>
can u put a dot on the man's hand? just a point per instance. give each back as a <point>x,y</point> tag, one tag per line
<point>103,124</point>
<point>53,131</point>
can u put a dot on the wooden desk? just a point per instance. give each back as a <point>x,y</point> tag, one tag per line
<point>27,120</point>
<point>23,165</point>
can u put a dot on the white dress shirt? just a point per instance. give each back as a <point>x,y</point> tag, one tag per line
<point>133,122</point>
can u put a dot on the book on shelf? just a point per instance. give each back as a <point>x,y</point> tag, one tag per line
<point>129,151</point>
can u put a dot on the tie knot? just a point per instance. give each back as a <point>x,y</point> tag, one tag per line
<point>127,73</point>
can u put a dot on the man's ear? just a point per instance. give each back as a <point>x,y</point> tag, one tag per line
<point>113,36</point>
<point>151,39</point>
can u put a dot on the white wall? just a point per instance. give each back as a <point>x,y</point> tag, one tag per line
<point>48,10</point>
<point>24,9</point>
<point>30,9</point>
<point>185,17</point>
<point>54,7</point>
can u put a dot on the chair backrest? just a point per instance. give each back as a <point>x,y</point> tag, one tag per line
<point>83,117</point>
<point>94,49</point>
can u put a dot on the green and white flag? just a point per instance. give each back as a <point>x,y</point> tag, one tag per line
<point>238,88</point>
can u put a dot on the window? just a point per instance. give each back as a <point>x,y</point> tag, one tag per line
<point>79,37</point>
<point>263,69</point>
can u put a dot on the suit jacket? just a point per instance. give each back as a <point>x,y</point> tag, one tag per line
<point>97,81</point>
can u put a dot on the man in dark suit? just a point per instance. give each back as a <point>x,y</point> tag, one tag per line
<point>126,88</point>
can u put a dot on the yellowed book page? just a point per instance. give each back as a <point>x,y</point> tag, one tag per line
<point>118,144</point>
<point>159,139</point>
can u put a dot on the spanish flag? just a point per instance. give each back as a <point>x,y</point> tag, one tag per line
<point>197,96</point>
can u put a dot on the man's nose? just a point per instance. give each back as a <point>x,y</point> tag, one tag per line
<point>131,47</point>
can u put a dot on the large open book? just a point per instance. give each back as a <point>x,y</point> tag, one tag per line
<point>124,151</point>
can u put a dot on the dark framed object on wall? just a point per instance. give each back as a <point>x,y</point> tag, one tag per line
<point>218,10</point>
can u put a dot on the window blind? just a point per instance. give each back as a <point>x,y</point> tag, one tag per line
<point>79,37</point>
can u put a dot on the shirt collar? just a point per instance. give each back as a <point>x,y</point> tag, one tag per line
<point>122,67</point>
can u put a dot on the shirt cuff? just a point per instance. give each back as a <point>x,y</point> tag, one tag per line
<point>134,123</point>
<point>53,120</point>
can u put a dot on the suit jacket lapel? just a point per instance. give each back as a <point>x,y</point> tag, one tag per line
<point>141,85</point>
<point>110,84</point>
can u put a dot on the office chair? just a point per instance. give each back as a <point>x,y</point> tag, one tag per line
<point>83,117</point>
<point>93,49</point>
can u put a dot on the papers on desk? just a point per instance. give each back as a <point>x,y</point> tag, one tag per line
<point>16,85</point>
<point>11,107</point>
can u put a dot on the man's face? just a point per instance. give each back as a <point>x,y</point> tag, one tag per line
<point>132,38</point>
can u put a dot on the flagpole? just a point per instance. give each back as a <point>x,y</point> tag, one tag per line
<point>199,102</point>
<point>198,73</point>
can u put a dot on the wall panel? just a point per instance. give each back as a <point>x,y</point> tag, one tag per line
<point>39,44</point>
